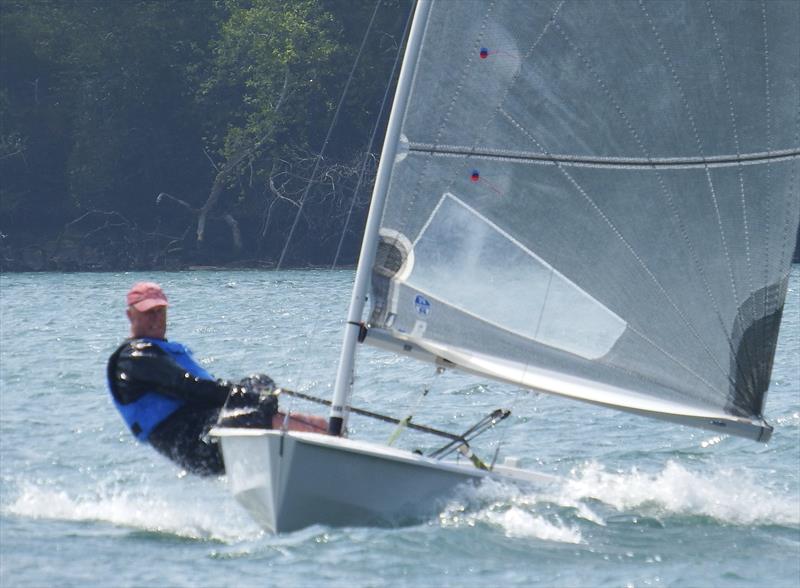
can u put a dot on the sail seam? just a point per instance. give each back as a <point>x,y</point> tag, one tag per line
<point>700,148</point>
<point>613,227</point>
<point>550,275</point>
<point>703,162</point>
<point>768,194</point>
<point>793,185</point>
<point>735,130</point>
<point>636,375</point>
<point>635,255</point>
<point>711,187</point>
<point>463,77</point>
<point>636,137</point>
<point>683,216</point>
<point>430,149</point>
<point>674,210</point>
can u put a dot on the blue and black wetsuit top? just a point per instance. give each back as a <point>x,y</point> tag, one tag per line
<point>168,400</point>
<point>152,379</point>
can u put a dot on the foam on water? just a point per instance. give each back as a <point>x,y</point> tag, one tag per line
<point>515,522</point>
<point>790,420</point>
<point>140,509</point>
<point>518,514</point>
<point>519,523</point>
<point>731,497</point>
<point>555,514</point>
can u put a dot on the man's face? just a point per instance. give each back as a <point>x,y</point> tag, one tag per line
<point>152,323</point>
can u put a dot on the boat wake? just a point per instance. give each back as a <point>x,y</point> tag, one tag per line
<point>517,513</point>
<point>591,495</point>
<point>140,510</point>
<point>727,496</point>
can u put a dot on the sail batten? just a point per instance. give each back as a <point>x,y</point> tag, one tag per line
<point>601,191</point>
<point>611,162</point>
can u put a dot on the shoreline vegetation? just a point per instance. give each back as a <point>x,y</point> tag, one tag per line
<point>52,257</point>
<point>32,263</point>
<point>177,133</point>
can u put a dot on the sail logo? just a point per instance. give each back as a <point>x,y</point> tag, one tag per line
<point>422,305</point>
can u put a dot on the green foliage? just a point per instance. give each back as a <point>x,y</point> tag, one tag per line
<point>267,77</point>
<point>108,79</point>
<point>104,105</point>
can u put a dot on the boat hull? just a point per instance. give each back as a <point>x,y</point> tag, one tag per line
<point>288,480</point>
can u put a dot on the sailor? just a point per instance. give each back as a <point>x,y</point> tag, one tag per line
<point>170,401</point>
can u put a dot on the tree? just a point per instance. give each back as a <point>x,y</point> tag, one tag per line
<point>278,70</point>
<point>222,104</point>
<point>268,70</point>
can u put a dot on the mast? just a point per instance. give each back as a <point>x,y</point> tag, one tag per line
<point>344,374</point>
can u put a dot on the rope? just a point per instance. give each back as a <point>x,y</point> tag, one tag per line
<point>371,142</point>
<point>376,126</point>
<point>327,136</point>
<point>313,327</point>
<point>375,415</point>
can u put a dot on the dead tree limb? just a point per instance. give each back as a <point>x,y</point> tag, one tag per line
<point>164,196</point>
<point>235,233</point>
<point>234,162</point>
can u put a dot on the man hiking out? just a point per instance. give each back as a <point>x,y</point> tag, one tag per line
<point>170,401</point>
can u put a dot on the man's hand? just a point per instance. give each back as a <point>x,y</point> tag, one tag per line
<point>260,384</point>
<point>251,403</point>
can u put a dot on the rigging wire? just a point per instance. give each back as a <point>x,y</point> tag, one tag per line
<point>301,203</point>
<point>313,326</point>
<point>368,152</point>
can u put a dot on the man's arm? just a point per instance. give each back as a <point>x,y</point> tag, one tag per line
<point>143,367</point>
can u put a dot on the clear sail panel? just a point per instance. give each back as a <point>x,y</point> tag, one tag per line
<point>466,261</point>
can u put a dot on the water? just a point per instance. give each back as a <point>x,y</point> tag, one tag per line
<point>644,503</point>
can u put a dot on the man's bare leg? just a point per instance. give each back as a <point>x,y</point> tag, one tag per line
<point>301,422</point>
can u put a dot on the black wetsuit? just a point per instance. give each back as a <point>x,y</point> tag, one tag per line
<point>138,368</point>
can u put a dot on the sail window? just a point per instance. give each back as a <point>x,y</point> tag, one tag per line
<point>464,260</point>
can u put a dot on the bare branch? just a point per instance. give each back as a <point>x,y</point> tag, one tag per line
<point>279,193</point>
<point>235,233</point>
<point>284,90</point>
<point>214,165</point>
<point>98,212</point>
<point>6,156</point>
<point>163,196</point>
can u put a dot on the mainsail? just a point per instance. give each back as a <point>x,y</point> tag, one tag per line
<point>598,200</point>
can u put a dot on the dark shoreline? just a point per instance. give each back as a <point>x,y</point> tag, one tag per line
<point>176,268</point>
<point>49,258</point>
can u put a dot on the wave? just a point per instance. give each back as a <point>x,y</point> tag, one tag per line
<point>507,507</point>
<point>728,496</point>
<point>139,510</point>
<point>591,495</point>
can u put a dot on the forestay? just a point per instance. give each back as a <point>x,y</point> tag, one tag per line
<point>599,200</point>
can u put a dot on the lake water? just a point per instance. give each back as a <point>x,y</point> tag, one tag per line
<point>643,503</point>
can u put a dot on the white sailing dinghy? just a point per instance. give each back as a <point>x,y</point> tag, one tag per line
<point>597,200</point>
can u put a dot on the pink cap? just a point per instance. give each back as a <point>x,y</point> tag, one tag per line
<point>146,295</point>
